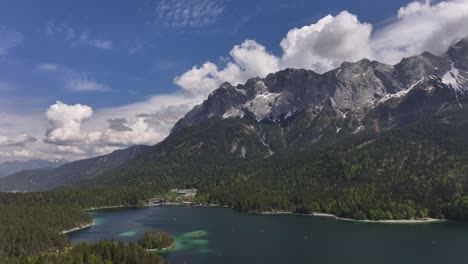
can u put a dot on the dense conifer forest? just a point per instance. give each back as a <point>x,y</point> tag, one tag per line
<point>156,241</point>
<point>32,223</point>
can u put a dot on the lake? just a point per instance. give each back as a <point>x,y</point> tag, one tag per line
<point>220,235</point>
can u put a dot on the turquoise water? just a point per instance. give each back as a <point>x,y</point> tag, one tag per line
<point>219,235</point>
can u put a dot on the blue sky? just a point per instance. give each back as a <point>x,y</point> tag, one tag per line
<point>144,54</point>
<point>68,68</point>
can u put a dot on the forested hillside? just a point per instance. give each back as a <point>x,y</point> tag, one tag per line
<point>416,171</point>
<point>31,223</point>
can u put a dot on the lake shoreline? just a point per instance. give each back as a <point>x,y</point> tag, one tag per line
<point>319,214</point>
<point>173,245</point>
<point>82,226</point>
<point>315,214</point>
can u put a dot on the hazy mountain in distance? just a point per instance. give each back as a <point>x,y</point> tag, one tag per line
<point>40,180</point>
<point>10,167</point>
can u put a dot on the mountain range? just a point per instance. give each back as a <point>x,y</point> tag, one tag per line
<point>10,167</point>
<point>364,139</point>
<point>34,179</point>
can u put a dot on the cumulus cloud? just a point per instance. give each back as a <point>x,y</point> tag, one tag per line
<point>9,39</point>
<point>324,45</point>
<point>146,122</point>
<point>66,123</point>
<point>421,26</point>
<point>17,141</point>
<point>248,60</point>
<point>77,131</point>
<point>139,132</point>
<point>327,43</point>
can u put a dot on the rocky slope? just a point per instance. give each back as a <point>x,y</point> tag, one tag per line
<point>353,92</point>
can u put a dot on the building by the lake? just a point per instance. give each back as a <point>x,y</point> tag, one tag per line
<point>185,193</point>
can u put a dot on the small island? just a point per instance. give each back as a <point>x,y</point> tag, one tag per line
<point>156,241</point>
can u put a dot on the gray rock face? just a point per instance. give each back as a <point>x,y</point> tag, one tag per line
<point>358,88</point>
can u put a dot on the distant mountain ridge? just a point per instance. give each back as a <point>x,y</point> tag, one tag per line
<point>41,180</point>
<point>10,167</point>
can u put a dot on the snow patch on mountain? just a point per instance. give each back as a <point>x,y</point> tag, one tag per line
<point>262,105</point>
<point>233,113</point>
<point>450,78</point>
<point>455,78</point>
<point>394,96</point>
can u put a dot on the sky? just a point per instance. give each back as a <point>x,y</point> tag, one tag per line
<point>84,78</point>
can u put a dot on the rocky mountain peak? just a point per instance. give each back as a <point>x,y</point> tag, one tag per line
<point>350,88</point>
<point>458,53</point>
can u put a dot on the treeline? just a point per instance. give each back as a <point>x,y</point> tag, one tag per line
<point>156,240</point>
<point>31,223</point>
<point>30,230</point>
<point>95,253</point>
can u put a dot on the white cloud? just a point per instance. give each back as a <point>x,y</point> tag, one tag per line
<point>66,123</point>
<point>421,26</point>
<point>146,122</point>
<point>19,154</point>
<point>24,153</point>
<point>9,39</point>
<point>69,150</point>
<point>77,131</point>
<point>17,141</point>
<point>139,132</point>
<point>327,43</point>
<point>248,60</point>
